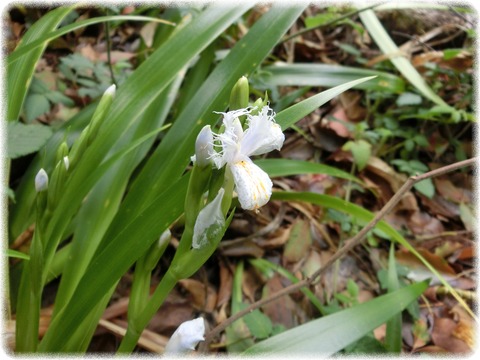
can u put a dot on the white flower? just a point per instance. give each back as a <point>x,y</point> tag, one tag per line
<point>41,181</point>
<point>186,337</point>
<point>262,135</point>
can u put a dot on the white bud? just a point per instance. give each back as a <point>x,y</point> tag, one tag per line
<point>165,237</point>
<point>203,147</point>
<point>209,221</point>
<point>41,181</point>
<point>186,337</point>
<point>66,161</point>
<point>111,90</point>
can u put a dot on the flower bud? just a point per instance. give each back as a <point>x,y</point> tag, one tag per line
<point>66,162</point>
<point>209,223</point>
<point>186,337</point>
<point>156,251</point>
<point>62,151</point>
<point>240,94</point>
<point>100,113</point>
<point>59,176</point>
<point>41,181</point>
<point>204,147</point>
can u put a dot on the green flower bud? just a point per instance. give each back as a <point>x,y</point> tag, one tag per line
<point>62,151</point>
<point>78,147</point>
<point>156,251</point>
<point>100,113</point>
<point>240,94</point>
<point>59,176</point>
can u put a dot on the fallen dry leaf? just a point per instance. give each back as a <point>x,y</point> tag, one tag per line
<point>280,311</point>
<point>299,242</point>
<point>451,192</point>
<point>443,336</point>
<point>422,223</point>
<point>204,298</point>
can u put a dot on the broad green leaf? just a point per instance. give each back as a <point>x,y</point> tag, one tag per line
<point>288,167</point>
<point>35,106</point>
<point>258,323</point>
<point>25,139</point>
<point>388,47</point>
<point>361,151</point>
<point>330,334</point>
<point>290,116</point>
<point>17,254</point>
<point>326,75</point>
<point>425,187</point>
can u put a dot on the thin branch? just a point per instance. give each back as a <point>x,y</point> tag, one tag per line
<point>331,22</point>
<point>349,245</point>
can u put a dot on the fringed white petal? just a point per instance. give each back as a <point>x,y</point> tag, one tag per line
<point>186,337</point>
<point>252,184</point>
<point>263,134</point>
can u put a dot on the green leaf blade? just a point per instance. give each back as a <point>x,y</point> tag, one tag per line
<point>330,334</point>
<point>388,47</point>
<point>288,167</point>
<point>290,116</point>
<point>326,75</point>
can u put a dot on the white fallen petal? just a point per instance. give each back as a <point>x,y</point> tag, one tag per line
<point>252,184</point>
<point>186,337</point>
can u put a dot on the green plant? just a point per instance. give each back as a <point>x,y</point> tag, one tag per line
<point>112,180</point>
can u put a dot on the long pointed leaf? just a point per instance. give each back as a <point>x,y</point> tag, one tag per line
<point>386,44</point>
<point>326,75</point>
<point>290,116</point>
<point>25,50</point>
<point>330,334</point>
<point>19,74</point>
<point>287,167</point>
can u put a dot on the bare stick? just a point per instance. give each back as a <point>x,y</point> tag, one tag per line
<point>349,245</point>
<point>331,22</point>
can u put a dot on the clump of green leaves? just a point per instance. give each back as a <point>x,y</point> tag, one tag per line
<point>41,98</point>
<point>92,78</point>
